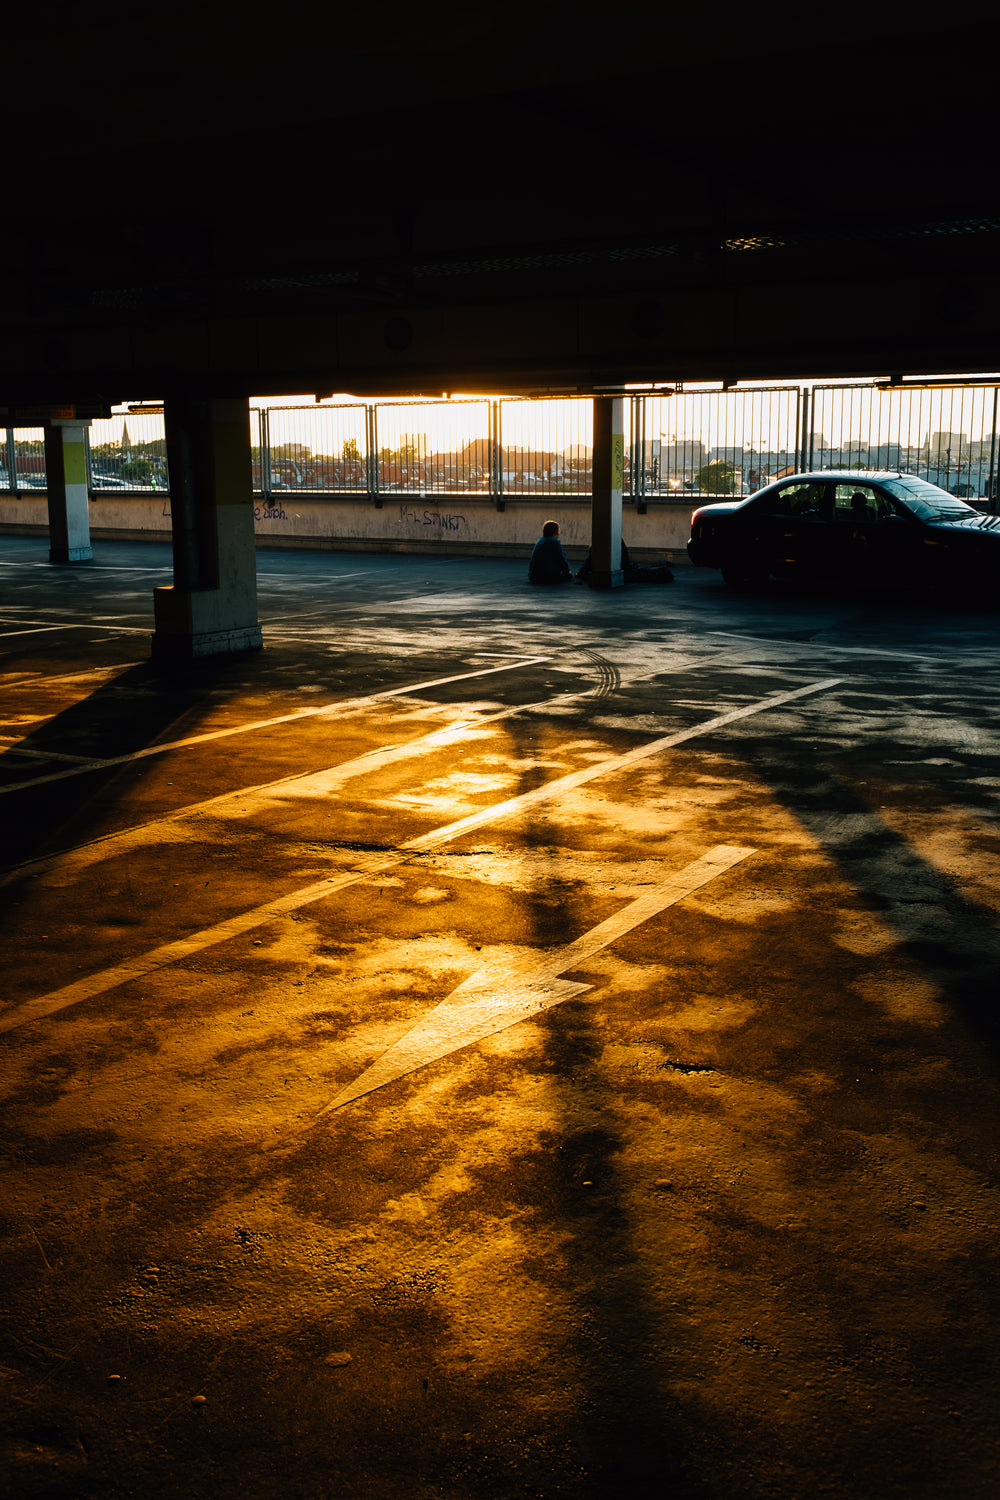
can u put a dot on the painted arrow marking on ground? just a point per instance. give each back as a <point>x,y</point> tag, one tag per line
<point>493,999</point>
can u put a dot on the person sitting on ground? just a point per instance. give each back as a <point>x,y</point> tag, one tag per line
<point>549,563</point>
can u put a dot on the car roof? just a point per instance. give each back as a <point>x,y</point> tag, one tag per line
<point>859,475</point>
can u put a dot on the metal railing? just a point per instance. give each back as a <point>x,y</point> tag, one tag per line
<point>128,453</point>
<point>680,444</point>
<point>432,447</point>
<point>945,434</point>
<point>713,442</point>
<point>24,459</point>
<point>323,449</point>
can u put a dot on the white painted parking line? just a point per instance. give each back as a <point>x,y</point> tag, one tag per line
<point>319,576</point>
<point>249,801</point>
<point>219,932</point>
<point>92,567</point>
<point>835,648</point>
<point>16,747</point>
<point>331,710</point>
<point>36,630</point>
<point>36,679</point>
<point>552,789</point>
<point>501,995</point>
<point>73,625</point>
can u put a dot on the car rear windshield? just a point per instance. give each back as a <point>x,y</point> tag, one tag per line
<point>926,499</point>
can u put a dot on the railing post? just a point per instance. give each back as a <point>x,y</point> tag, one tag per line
<point>812,429</point>
<point>372,467</point>
<point>991,483</point>
<point>632,421</point>
<point>805,440</point>
<point>264,439</point>
<point>496,459</point>
<point>640,501</point>
<point>11,462</point>
<point>637,453</point>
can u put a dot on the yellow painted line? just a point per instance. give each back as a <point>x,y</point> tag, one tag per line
<point>498,996</point>
<point>344,705</point>
<point>219,932</point>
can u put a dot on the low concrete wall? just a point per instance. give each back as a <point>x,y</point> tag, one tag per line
<point>458,525</point>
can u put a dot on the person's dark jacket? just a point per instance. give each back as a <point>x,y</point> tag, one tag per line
<point>548,563</point>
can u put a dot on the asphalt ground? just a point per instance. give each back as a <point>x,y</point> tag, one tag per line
<point>497,1041</point>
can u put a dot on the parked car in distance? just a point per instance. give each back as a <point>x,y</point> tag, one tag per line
<point>110,482</point>
<point>864,526</point>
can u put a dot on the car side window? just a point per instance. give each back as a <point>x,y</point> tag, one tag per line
<point>805,499</point>
<point>860,504</point>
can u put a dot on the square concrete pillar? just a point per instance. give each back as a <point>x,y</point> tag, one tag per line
<point>211,607</point>
<point>606,503</point>
<point>66,486</point>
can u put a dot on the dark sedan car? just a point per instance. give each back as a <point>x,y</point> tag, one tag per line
<point>885,527</point>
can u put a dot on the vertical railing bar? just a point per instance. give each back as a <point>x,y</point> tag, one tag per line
<point>491,461</point>
<point>501,502</point>
<point>11,462</point>
<point>812,432</point>
<point>376,465</point>
<point>638,450</point>
<point>991,484</point>
<point>264,437</point>
<point>856,408</point>
<point>642,454</point>
<point>636,458</point>
<point>798,424</point>
<point>488,452</point>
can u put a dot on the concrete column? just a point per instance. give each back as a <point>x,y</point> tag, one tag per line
<point>606,505</point>
<point>66,484</point>
<point>212,605</point>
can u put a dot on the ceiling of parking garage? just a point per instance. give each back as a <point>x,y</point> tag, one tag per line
<point>398,197</point>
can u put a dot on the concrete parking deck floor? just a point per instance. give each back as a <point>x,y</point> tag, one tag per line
<point>497,1042</point>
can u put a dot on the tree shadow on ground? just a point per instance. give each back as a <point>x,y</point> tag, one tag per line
<point>960,949</point>
<point>630,1437</point>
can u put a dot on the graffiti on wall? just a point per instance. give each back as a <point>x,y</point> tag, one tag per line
<point>260,512</point>
<point>431,518</point>
<point>440,520</point>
